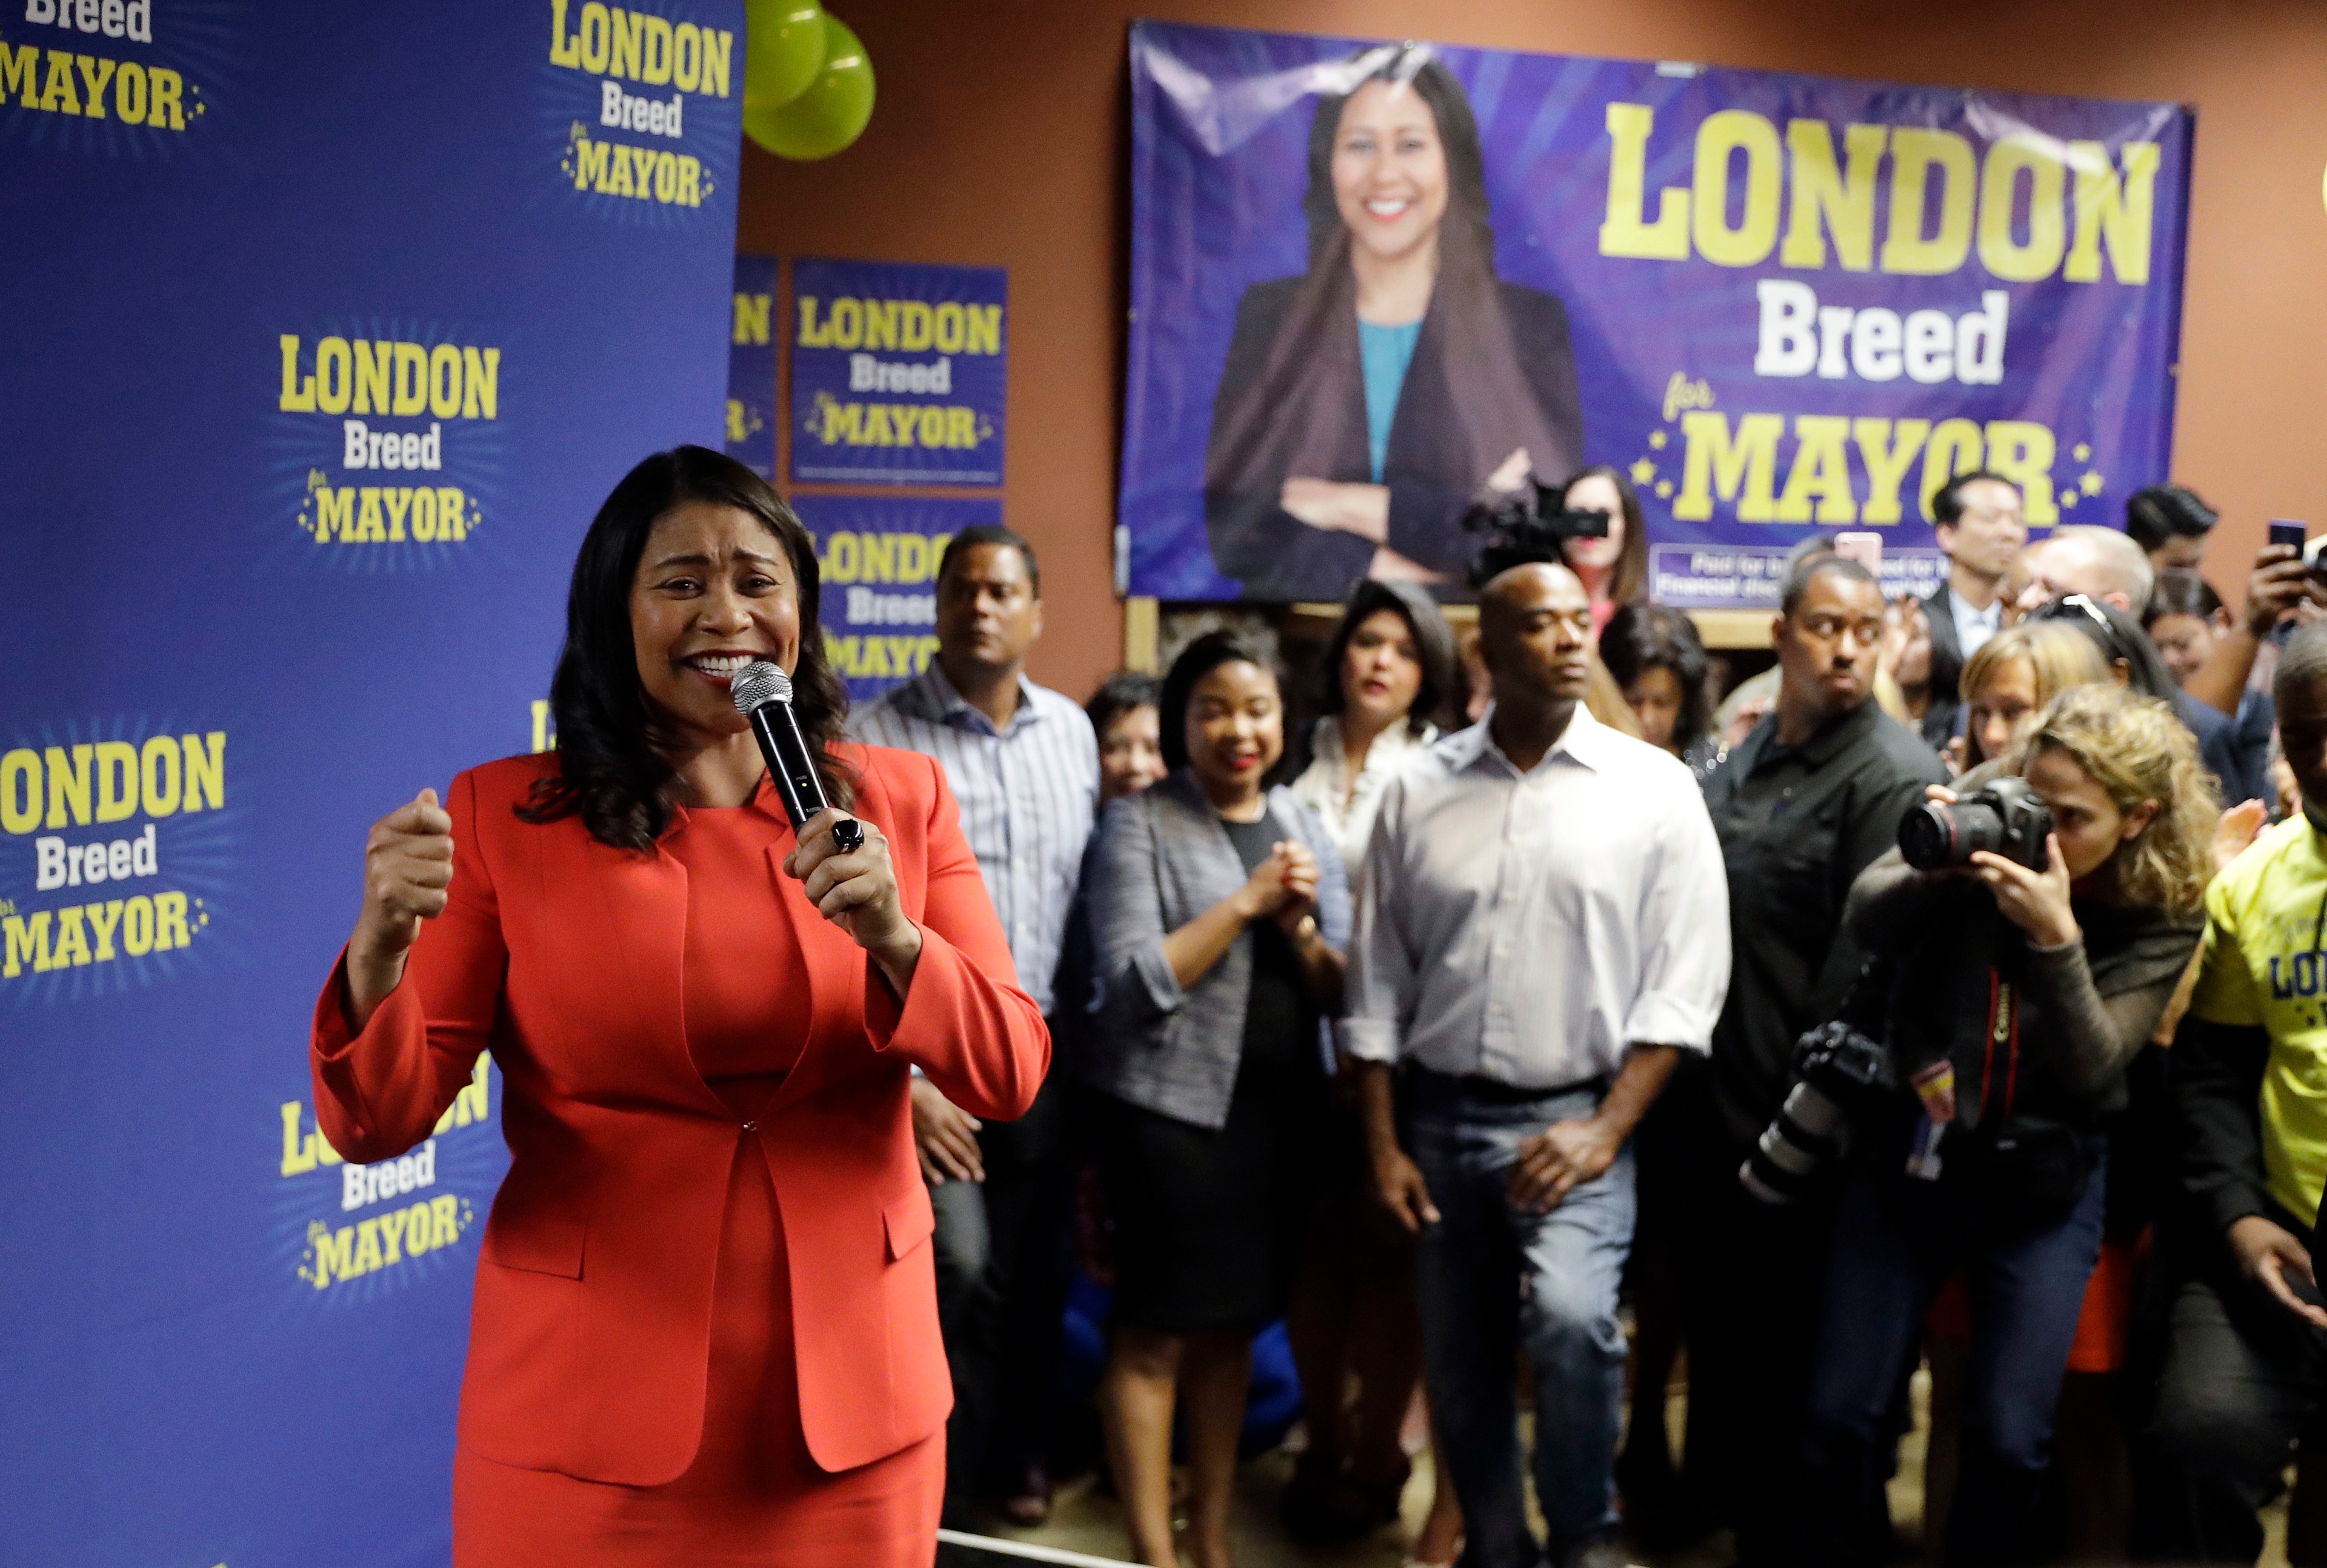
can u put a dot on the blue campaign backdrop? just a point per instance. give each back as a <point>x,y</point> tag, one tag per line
<point>327,330</point>
<point>1776,302</point>
<point>899,372</point>
<point>751,368</point>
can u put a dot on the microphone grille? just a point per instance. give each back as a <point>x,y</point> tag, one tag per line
<point>760,682</point>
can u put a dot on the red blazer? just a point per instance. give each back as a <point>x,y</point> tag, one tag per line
<point>590,1335</point>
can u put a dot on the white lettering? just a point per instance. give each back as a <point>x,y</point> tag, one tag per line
<point>1798,333</point>
<point>868,374</point>
<point>1874,344</point>
<point>50,862</point>
<point>364,1184</point>
<point>1787,347</point>
<point>1979,340</point>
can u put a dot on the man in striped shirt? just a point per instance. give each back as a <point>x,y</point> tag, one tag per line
<point>1023,763</point>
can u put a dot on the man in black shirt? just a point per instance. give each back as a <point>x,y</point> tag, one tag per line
<point>1812,796</point>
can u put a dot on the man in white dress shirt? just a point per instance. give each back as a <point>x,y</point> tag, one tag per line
<point>1543,929</point>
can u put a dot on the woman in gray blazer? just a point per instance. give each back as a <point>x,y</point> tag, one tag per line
<point>1219,913</point>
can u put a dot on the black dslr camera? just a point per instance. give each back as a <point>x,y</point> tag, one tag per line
<point>1838,1071</point>
<point>2006,818</point>
<point>1527,527</point>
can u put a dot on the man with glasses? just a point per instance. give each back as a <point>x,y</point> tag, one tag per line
<point>1812,796</point>
<point>1975,517</point>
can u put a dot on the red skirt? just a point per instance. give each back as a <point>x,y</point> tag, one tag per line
<point>753,1499</point>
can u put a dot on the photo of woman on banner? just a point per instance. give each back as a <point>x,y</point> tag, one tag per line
<point>1367,402</point>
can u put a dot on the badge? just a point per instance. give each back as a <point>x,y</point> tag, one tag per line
<point>1937,1085</point>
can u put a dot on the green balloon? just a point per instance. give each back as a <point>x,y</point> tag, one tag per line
<point>783,49</point>
<point>831,114</point>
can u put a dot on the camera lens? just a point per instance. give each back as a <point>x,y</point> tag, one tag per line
<point>1934,835</point>
<point>1927,837</point>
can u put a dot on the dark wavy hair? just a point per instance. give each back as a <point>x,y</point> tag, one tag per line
<point>1644,636</point>
<point>1197,660</point>
<point>612,768</point>
<point>1434,647</point>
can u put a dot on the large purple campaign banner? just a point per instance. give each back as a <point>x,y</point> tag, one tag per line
<point>1375,283</point>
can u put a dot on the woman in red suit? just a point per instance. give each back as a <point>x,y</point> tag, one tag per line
<point>705,1324</point>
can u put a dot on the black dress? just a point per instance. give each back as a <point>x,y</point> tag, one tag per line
<point>1207,1222</point>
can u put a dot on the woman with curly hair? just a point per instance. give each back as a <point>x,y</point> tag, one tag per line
<point>2008,998</point>
<point>706,1323</point>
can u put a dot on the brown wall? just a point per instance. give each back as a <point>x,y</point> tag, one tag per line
<point>1000,139</point>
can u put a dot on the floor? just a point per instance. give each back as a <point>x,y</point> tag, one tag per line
<point>1084,1518</point>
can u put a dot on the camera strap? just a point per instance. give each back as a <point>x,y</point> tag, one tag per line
<point>2004,1030</point>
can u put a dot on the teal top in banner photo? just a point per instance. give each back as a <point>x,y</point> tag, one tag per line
<point>751,368</point>
<point>898,373</point>
<point>1774,303</point>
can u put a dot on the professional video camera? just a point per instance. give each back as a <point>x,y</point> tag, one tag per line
<point>2006,818</point>
<point>1838,1071</point>
<point>1526,525</point>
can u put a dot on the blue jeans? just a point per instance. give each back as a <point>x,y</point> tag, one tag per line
<point>1492,1281</point>
<point>1896,1240</point>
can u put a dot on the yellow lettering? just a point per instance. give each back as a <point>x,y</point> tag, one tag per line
<point>1740,469</point>
<point>375,369</point>
<point>752,318</point>
<point>20,790</point>
<point>167,85</point>
<point>595,36</point>
<point>60,96</point>
<point>95,80</point>
<point>2022,450</point>
<point>20,70</point>
<point>984,333</point>
<point>335,1255</point>
<point>1723,133</point>
<point>812,333</point>
<point>622,60</point>
<point>1915,153</point>
<point>335,510</point>
<point>298,1149</point>
<point>2118,212</point>
<point>1821,470</point>
<point>117,780</point>
<point>2000,251</point>
<point>298,391</point>
<point>102,919</point>
<point>205,769</point>
<point>72,941</point>
<point>563,51</point>
<point>332,374</point>
<point>1621,230</point>
<point>170,921</point>
<point>1955,446</point>
<point>27,937</point>
<point>1826,201</point>
<point>590,159</point>
<point>716,44</point>
<point>69,786</point>
<point>1887,450</point>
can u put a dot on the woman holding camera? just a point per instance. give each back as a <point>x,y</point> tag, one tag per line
<point>2011,990</point>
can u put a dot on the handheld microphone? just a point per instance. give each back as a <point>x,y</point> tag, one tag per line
<point>762,694</point>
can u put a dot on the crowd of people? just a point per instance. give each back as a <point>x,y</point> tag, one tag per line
<point>1528,993</point>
